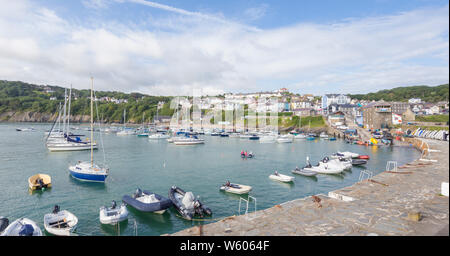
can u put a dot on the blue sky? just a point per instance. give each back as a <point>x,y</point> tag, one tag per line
<point>170,47</point>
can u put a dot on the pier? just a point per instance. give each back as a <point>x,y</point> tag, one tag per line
<point>405,201</point>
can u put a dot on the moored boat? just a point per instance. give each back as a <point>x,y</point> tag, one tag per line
<point>359,161</point>
<point>39,181</point>
<point>88,171</point>
<point>304,172</point>
<point>60,223</point>
<point>186,203</point>
<point>113,214</point>
<point>147,201</point>
<point>188,141</point>
<point>281,177</point>
<point>21,227</point>
<point>235,188</point>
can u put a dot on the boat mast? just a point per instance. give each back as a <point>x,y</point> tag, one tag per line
<point>59,119</point>
<point>65,103</point>
<point>92,122</point>
<point>68,112</point>
<point>124,117</point>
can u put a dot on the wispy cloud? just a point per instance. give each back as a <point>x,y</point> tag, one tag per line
<point>194,14</point>
<point>356,55</point>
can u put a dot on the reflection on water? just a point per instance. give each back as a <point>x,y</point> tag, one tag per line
<point>114,229</point>
<point>95,186</point>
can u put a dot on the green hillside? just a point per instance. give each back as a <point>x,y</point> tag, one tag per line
<point>425,93</point>
<point>16,96</point>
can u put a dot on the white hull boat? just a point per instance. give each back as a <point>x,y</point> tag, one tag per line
<point>281,177</point>
<point>325,169</point>
<point>344,155</point>
<point>113,215</point>
<point>236,188</point>
<point>284,139</point>
<point>158,136</point>
<point>60,223</point>
<point>189,141</point>
<point>87,171</point>
<point>267,139</point>
<point>300,137</point>
<point>70,146</point>
<point>22,227</point>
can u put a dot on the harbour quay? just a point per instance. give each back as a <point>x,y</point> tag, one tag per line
<point>407,201</point>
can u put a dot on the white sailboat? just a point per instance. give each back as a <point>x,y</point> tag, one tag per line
<point>88,171</point>
<point>66,142</point>
<point>125,130</point>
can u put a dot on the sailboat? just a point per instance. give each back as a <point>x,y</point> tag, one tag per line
<point>88,171</point>
<point>144,131</point>
<point>125,131</point>
<point>64,141</point>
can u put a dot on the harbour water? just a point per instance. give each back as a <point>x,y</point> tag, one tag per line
<point>156,166</point>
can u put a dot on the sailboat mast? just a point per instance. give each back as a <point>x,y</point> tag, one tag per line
<point>59,118</point>
<point>92,121</point>
<point>68,111</point>
<point>65,104</point>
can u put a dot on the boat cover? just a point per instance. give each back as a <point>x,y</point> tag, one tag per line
<point>26,230</point>
<point>163,203</point>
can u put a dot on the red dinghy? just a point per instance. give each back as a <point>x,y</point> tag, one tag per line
<point>364,157</point>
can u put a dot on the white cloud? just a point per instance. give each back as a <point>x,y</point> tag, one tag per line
<point>257,12</point>
<point>38,46</point>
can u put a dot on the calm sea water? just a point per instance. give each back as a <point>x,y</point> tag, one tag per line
<point>156,166</point>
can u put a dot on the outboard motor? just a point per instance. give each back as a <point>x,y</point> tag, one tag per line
<point>138,193</point>
<point>4,222</point>
<point>41,183</point>
<point>113,205</point>
<point>56,209</point>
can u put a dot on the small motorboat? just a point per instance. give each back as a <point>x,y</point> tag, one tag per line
<point>188,141</point>
<point>253,137</point>
<point>19,227</point>
<point>359,161</point>
<point>364,157</point>
<point>281,177</point>
<point>332,139</point>
<point>304,172</point>
<point>284,139</point>
<point>224,134</point>
<point>39,182</point>
<point>323,135</point>
<point>147,201</point>
<point>300,136</point>
<point>344,155</point>
<point>158,136</point>
<point>186,203</point>
<point>60,223</point>
<point>324,167</point>
<point>235,188</point>
<point>113,214</point>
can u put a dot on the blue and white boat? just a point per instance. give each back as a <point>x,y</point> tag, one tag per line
<point>88,171</point>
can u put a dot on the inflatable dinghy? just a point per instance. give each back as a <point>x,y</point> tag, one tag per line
<point>147,201</point>
<point>186,203</point>
<point>21,227</point>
